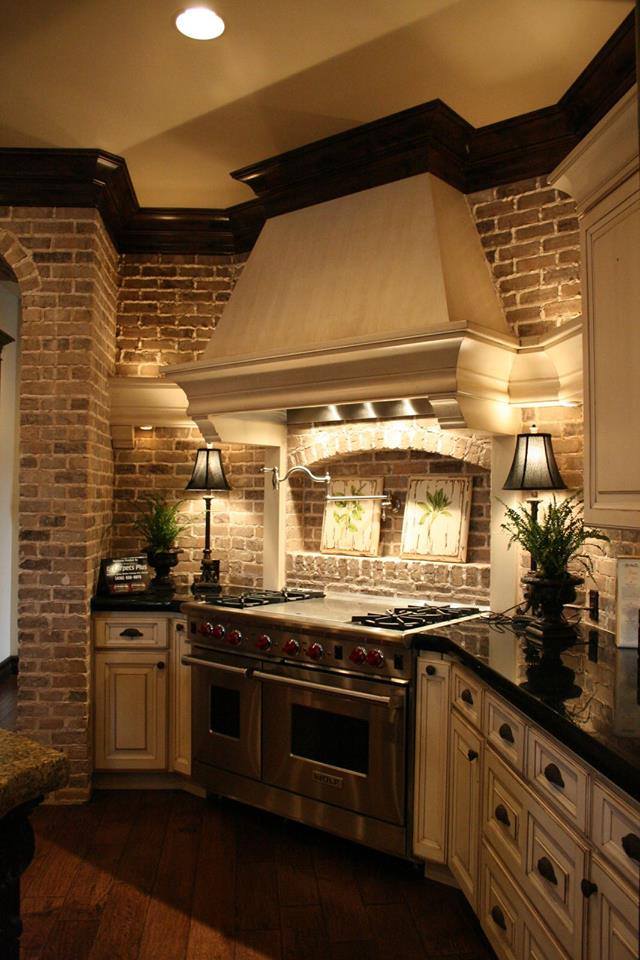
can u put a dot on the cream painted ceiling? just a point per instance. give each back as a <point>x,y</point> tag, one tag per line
<point>115,74</point>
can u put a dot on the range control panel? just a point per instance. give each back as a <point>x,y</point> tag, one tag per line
<point>298,646</point>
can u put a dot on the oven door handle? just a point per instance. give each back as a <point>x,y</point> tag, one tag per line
<point>393,702</point>
<point>195,662</point>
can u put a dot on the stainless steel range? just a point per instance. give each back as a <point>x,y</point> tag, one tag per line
<point>303,705</point>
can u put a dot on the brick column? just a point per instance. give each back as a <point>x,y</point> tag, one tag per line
<point>66,270</point>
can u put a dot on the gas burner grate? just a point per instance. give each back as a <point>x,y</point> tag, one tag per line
<point>413,617</point>
<point>260,598</point>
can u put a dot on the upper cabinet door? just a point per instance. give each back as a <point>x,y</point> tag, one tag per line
<point>611,270</point>
<point>601,174</point>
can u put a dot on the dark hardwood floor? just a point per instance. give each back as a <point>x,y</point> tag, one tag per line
<point>8,697</point>
<point>156,875</point>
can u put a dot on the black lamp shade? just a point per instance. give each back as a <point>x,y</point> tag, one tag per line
<point>534,465</point>
<point>208,472</point>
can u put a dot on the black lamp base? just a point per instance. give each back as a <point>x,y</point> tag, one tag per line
<point>208,583</point>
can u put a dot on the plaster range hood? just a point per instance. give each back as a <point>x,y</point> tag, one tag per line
<point>376,296</point>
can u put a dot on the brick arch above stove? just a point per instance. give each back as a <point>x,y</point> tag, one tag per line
<point>322,444</point>
<point>395,450</point>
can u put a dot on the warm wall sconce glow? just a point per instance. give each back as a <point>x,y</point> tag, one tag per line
<point>200,23</point>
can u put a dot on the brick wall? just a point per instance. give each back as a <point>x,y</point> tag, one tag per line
<point>161,461</point>
<point>66,270</point>
<point>529,232</point>
<point>168,306</point>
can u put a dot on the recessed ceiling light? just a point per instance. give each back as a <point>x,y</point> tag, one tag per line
<point>200,23</point>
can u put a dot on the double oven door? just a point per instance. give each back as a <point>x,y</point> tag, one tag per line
<point>330,737</point>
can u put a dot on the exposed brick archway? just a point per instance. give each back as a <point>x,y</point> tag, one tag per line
<point>320,444</point>
<point>21,262</point>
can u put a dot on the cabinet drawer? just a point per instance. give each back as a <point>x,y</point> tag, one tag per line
<point>546,858</point>
<point>615,831</point>
<point>514,930</point>
<point>130,632</point>
<point>505,730</point>
<point>558,778</point>
<point>466,694</point>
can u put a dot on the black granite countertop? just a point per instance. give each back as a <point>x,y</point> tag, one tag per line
<point>148,602</point>
<point>588,696</point>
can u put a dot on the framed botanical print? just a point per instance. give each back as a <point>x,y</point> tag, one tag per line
<point>436,518</point>
<point>352,526</point>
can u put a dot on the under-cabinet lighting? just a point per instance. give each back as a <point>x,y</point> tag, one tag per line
<point>145,426</point>
<point>200,23</point>
<point>545,403</point>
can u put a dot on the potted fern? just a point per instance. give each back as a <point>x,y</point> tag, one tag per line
<point>555,540</point>
<point>161,526</point>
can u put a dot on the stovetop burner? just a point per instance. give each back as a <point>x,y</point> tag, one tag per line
<point>413,617</point>
<point>259,598</point>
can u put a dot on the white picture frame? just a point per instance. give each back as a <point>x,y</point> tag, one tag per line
<point>352,527</point>
<point>627,601</point>
<point>436,518</point>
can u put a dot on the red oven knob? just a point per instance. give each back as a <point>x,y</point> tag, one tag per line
<point>358,655</point>
<point>208,629</point>
<point>375,658</point>
<point>316,651</point>
<point>234,637</point>
<point>264,642</point>
<point>292,647</point>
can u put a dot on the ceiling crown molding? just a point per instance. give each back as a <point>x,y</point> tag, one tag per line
<point>430,138</point>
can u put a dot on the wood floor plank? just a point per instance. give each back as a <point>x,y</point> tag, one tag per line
<point>444,922</point>
<point>344,911</point>
<point>256,896</point>
<point>168,919</point>
<point>304,933</point>
<point>39,915</point>
<point>296,875</point>
<point>211,934</point>
<point>259,945</point>
<point>392,925</point>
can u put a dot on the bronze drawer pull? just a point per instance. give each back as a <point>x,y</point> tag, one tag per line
<point>180,626</point>
<point>472,754</point>
<point>553,775</point>
<point>506,733</point>
<point>430,671</point>
<point>502,815</point>
<point>588,888</point>
<point>467,696</point>
<point>160,665</point>
<point>131,632</point>
<point>498,918</point>
<point>545,869</point>
<point>631,846</point>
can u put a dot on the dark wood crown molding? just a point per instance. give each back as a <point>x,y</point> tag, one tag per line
<point>427,138</point>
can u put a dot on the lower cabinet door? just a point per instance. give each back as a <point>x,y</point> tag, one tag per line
<point>131,710</point>
<point>432,741</point>
<point>464,806</point>
<point>613,917</point>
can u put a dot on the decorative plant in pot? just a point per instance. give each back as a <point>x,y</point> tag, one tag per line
<point>555,540</point>
<point>160,525</point>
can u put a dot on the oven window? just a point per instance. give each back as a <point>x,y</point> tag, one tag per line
<point>224,711</point>
<point>330,738</point>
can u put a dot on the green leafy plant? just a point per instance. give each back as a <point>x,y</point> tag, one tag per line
<point>160,523</point>
<point>434,506</point>
<point>352,510</point>
<point>556,538</point>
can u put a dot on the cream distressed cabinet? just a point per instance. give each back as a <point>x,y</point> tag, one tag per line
<point>544,848</point>
<point>432,759</point>
<point>602,175</point>
<point>142,694</point>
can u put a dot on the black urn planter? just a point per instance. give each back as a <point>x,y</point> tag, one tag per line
<point>547,598</point>
<point>162,562</point>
